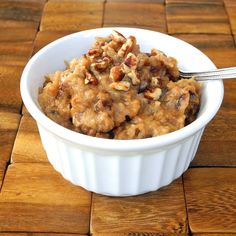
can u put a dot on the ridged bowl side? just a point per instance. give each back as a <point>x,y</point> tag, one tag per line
<point>119,174</point>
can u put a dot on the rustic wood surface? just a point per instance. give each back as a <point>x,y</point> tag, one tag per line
<point>194,17</point>
<point>28,133</point>
<point>9,123</point>
<point>36,201</point>
<point>210,196</point>
<point>117,14</point>
<point>72,15</point>
<point>148,213</point>
<point>35,198</point>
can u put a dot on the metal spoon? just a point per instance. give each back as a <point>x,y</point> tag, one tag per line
<point>224,73</point>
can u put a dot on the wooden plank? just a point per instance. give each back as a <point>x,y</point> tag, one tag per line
<point>39,234</point>
<point>14,24</point>
<point>208,40</point>
<point>15,53</point>
<point>141,1</point>
<point>162,211</point>
<point>71,1</point>
<point>24,10</point>
<point>197,18</point>
<point>217,234</point>
<point>217,147</point>
<point>24,111</point>
<point>144,15</point>
<point>35,198</point>
<point>17,35</point>
<point>45,37</point>
<point>70,15</point>
<point>222,57</point>
<point>20,14</point>
<point>211,199</point>
<point>28,133</point>
<point>217,2</point>
<point>9,123</point>
<point>10,99</point>
<point>230,2</point>
<point>231,10</point>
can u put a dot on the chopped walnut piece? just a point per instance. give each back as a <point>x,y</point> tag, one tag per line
<point>155,82</point>
<point>127,46</point>
<point>101,65</point>
<point>116,73</point>
<point>95,52</point>
<point>155,52</point>
<point>134,78</point>
<point>118,37</point>
<point>153,94</point>
<point>90,79</point>
<point>131,61</point>
<point>126,69</point>
<point>121,85</point>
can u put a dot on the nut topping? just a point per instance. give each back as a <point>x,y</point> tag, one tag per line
<point>117,91</point>
<point>131,61</point>
<point>118,37</point>
<point>102,64</point>
<point>95,52</point>
<point>134,78</point>
<point>153,94</point>
<point>90,79</point>
<point>127,46</point>
<point>121,85</point>
<point>116,73</point>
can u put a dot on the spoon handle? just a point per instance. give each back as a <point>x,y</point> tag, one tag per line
<point>224,73</point>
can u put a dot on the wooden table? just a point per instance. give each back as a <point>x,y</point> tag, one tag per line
<point>36,201</point>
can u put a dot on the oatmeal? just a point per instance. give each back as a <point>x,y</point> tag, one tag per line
<point>116,91</point>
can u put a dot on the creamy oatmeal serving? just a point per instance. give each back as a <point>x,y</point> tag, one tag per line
<point>115,91</point>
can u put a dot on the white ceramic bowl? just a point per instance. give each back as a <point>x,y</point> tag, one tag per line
<point>118,167</point>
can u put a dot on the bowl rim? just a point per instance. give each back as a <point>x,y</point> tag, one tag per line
<point>133,145</point>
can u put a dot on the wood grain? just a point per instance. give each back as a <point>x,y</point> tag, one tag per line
<point>10,99</point>
<point>162,211</point>
<point>134,234</point>
<point>24,15</point>
<point>71,15</point>
<point>231,9</point>
<point>148,15</point>
<point>6,24</point>
<point>230,2</point>
<point>217,2</point>
<point>141,1</point>
<point>211,199</point>
<point>216,234</point>
<point>9,123</point>
<point>15,53</point>
<point>102,1</point>
<point>39,234</point>
<point>24,110</point>
<point>24,10</point>
<point>222,57</point>
<point>217,146</point>
<point>28,133</point>
<point>35,198</point>
<point>45,37</point>
<point>197,18</point>
<point>17,35</point>
<point>208,40</point>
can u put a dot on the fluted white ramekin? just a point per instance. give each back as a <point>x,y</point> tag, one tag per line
<point>118,167</point>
